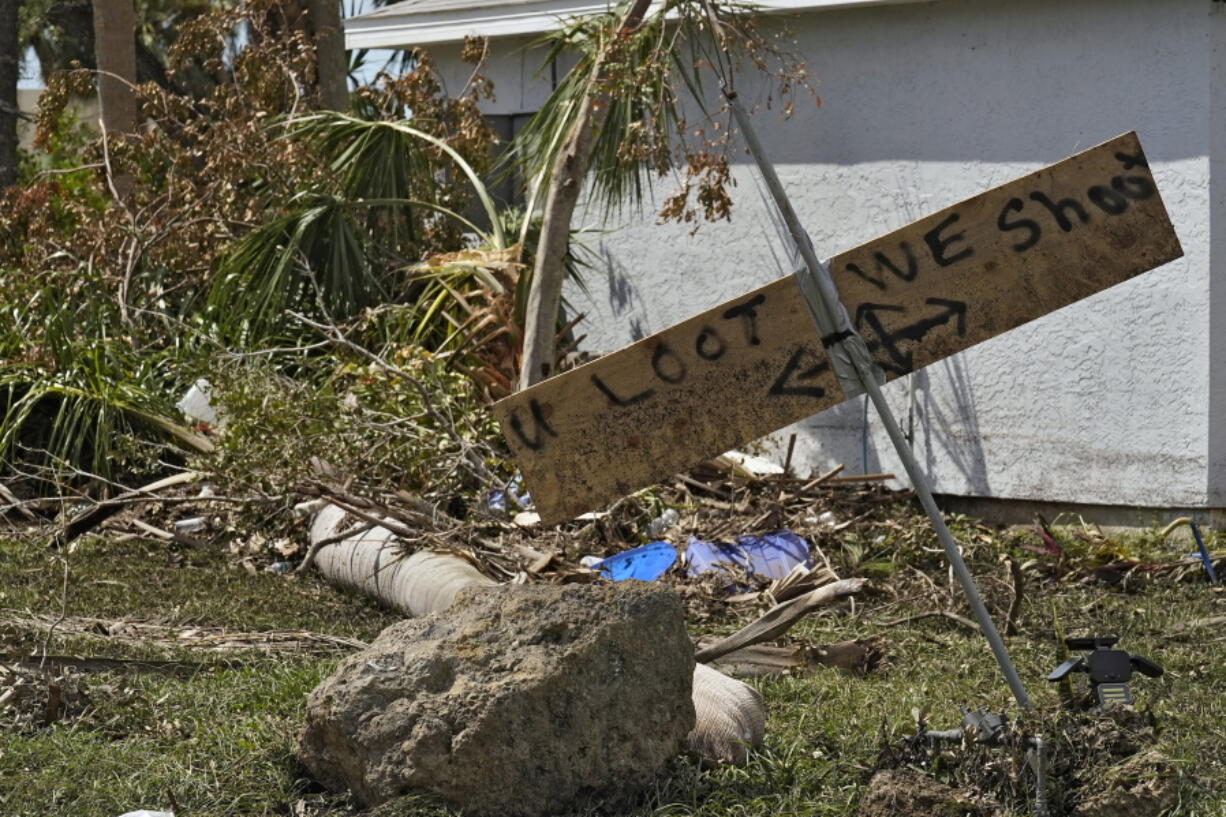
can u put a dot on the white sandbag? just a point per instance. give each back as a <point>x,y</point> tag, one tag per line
<point>731,717</point>
<point>372,562</point>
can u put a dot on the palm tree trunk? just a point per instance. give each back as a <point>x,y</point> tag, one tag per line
<point>330,63</point>
<point>565,185</point>
<point>115,50</point>
<point>9,61</point>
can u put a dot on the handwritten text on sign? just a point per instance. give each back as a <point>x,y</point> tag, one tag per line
<point>753,365</point>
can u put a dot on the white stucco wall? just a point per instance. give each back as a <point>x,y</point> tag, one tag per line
<point>1107,401</point>
<point>522,79</point>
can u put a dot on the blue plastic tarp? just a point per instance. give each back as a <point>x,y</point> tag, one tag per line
<point>645,563</point>
<point>771,555</point>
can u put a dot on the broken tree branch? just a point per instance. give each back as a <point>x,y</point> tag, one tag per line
<point>422,512</point>
<point>472,461</point>
<point>318,545</point>
<point>167,536</point>
<point>826,477</point>
<point>107,508</point>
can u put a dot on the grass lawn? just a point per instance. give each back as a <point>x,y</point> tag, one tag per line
<point>216,735</point>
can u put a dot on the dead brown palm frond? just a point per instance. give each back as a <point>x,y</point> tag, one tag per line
<point>462,305</point>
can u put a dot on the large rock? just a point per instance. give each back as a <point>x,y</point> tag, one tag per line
<point>517,700</point>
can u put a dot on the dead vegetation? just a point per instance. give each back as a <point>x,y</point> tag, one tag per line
<point>227,609</point>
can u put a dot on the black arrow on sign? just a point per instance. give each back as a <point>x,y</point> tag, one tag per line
<point>903,362</point>
<point>788,383</point>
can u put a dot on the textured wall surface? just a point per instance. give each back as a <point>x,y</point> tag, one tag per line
<point>522,78</point>
<point>1106,401</point>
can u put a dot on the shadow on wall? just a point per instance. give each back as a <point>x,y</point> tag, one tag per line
<point>833,437</point>
<point>954,435</point>
<point>625,304</point>
<point>942,436</point>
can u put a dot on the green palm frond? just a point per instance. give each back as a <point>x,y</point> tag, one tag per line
<point>643,109</point>
<point>71,394</point>
<point>333,247</point>
<point>317,249</point>
<point>384,160</point>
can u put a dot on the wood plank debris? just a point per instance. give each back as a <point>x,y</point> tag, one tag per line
<point>753,365</point>
<point>856,657</point>
<point>779,619</point>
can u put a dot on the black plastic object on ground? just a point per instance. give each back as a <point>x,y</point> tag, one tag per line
<point>1109,670</point>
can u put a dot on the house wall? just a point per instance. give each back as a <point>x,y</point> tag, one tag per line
<point>27,103</point>
<point>522,78</point>
<point>1107,401</point>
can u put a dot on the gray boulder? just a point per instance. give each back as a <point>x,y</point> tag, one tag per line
<point>517,700</point>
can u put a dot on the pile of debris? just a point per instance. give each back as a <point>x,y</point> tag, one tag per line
<point>32,697</point>
<point>1098,763</point>
<point>504,675</point>
<point>723,541</point>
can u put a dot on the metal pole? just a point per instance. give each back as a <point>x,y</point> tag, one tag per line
<point>819,293</point>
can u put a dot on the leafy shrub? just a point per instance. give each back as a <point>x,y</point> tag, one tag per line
<point>114,305</point>
<point>359,424</point>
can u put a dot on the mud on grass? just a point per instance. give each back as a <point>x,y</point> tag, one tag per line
<point>219,739</point>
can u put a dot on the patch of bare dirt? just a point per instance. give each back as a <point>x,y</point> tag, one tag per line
<point>30,699</point>
<point>909,793</point>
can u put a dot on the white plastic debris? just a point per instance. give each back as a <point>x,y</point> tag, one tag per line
<point>526,519</point>
<point>193,525</point>
<point>308,509</point>
<point>591,561</point>
<point>197,404</point>
<point>662,523</point>
<point>828,519</point>
<point>749,465</point>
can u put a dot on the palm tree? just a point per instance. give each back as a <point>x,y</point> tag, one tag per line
<point>569,170</point>
<point>615,120</point>
<point>332,67</point>
<point>9,65</point>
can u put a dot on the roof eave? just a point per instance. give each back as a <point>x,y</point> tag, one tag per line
<point>408,30</point>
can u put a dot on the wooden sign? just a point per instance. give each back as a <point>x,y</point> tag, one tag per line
<point>755,364</point>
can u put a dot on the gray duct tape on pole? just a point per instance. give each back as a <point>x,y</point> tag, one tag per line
<point>842,341</point>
